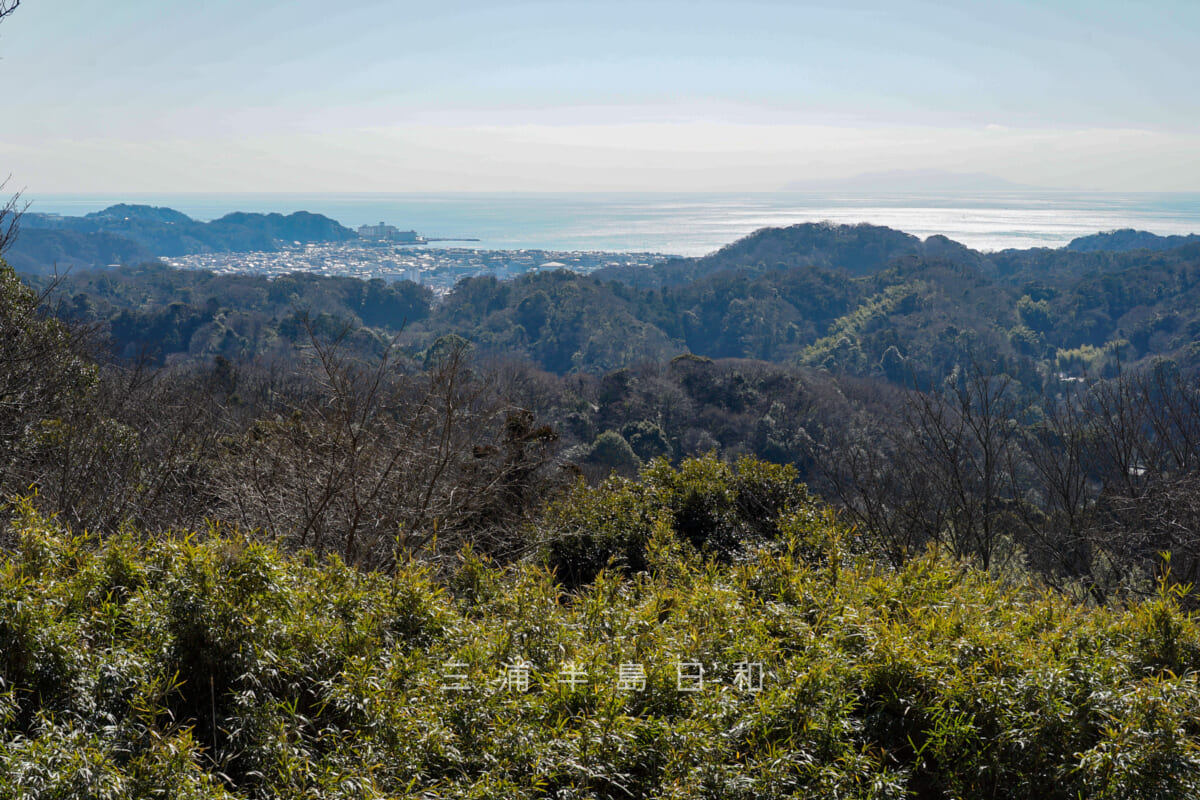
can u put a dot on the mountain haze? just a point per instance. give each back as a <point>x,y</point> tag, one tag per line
<point>166,232</point>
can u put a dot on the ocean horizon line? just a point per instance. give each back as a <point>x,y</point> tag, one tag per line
<point>689,223</point>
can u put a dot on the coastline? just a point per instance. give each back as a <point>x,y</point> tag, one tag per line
<point>693,224</point>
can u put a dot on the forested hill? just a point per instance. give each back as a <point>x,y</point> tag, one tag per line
<point>859,249</point>
<point>166,232</point>
<point>781,295</point>
<point>1128,239</point>
<point>39,251</point>
<point>864,249</point>
<point>857,299</point>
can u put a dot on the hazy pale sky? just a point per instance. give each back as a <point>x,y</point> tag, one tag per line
<point>361,95</point>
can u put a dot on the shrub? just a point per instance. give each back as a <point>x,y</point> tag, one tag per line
<point>716,507</point>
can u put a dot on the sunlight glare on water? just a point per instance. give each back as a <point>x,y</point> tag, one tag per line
<point>694,225</point>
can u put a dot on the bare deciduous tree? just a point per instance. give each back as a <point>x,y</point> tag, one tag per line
<point>10,217</point>
<point>1056,494</point>
<point>370,460</point>
<point>939,471</point>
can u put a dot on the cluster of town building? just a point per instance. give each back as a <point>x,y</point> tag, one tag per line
<point>437,268</point>
<point>389,233</point>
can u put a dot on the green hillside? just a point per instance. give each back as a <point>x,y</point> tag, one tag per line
<point>858,300</point>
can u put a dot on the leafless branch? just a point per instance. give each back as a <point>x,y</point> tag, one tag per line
<point>10,213</point>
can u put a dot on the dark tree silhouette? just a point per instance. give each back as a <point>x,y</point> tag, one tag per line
<point>10,215</point>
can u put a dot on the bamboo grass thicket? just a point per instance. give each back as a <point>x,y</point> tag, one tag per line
<point>211,665</point>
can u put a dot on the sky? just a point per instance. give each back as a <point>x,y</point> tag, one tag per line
<point>370,96</point>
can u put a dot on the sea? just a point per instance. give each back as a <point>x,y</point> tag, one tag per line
<point>690,224</point>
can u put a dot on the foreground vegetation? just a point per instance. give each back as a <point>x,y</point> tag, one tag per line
<point>207,665</point>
